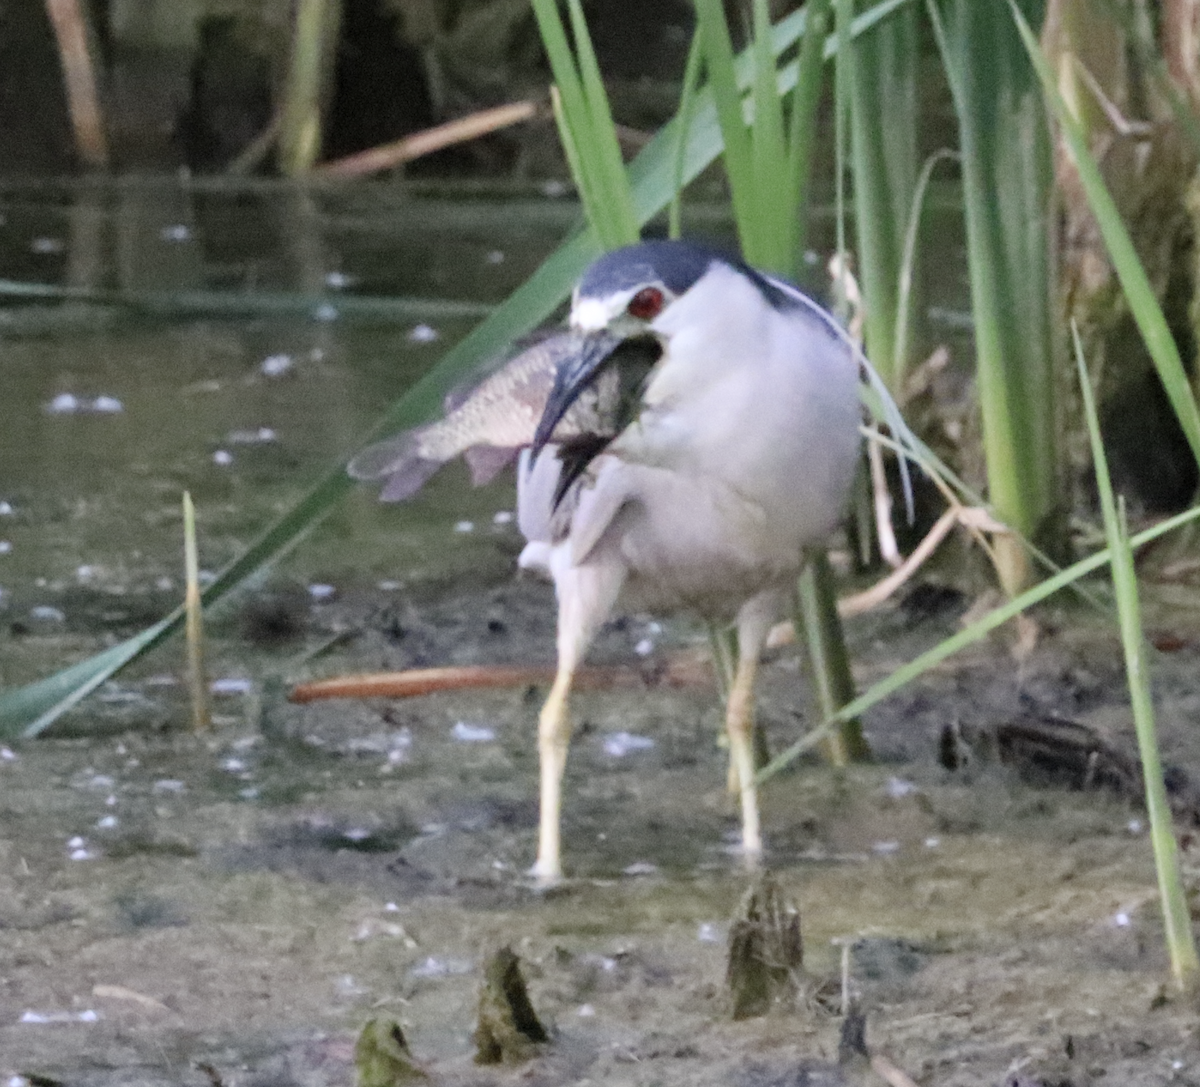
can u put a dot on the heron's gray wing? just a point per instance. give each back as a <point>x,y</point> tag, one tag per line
<point>537,482</point>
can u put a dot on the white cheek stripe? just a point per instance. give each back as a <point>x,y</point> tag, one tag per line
<point>590,315</point>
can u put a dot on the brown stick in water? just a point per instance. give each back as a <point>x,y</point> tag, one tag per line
<point>680,670</point>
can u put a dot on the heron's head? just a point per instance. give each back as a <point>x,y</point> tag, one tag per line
<point>616,306</point>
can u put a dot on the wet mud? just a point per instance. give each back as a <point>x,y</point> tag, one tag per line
<point>234,907</point>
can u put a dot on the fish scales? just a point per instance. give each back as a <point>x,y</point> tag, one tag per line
<point>504,409</point>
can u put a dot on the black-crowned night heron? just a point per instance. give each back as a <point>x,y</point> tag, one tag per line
<point>701,492</point>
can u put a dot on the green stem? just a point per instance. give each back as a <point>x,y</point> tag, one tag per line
<point>312,48</point>
<point>820,627</point>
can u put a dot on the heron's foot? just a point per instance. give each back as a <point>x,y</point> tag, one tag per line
<point>546,874</point>
<point>752,856</point>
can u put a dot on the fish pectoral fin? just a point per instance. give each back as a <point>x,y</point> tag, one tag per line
<point>486,461</point>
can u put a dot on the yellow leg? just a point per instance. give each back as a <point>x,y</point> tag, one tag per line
<point>739,724</point>
<point>753,622</point>
<point>586,595</point>
<point>554,736</point>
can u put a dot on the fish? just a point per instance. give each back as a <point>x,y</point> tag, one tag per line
<point>490,423</point>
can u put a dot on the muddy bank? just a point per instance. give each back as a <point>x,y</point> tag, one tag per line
<point>178,907</point>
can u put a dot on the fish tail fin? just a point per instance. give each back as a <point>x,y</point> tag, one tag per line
<point>397,461</point>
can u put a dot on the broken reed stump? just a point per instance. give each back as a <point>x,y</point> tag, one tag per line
<point>766,950</point>
<point>382,1057</point>
<point>509,1030</point>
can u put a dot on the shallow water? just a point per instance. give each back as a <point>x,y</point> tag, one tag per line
<point>109,416</point>
<point>175,908</point>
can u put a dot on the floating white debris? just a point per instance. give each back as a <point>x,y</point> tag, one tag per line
<point>394,745</point>
<point>176,232</point>
<point>206,577</point>
<point>233,766</point>
<point>249,793</point>
<point>472,734</point>
<point>932,843</point>
<point>7,754</point>
<point>276,365</point>
<point>320,591</point>
<point>47,246</point>
<point>231,685</point>
<point>5,547</point>
<point>640,868</point>
<point>260,436</point>
<point>644,648</point>
<point>357,834</point>
<point>709,933</point>
<point>163,679</point>
<point>76,842</point>
<point>555,188</point>
<point>388,586</point>
<point>70,404</point>
<point>1122,920</point>
<point>503,517</point>
<point>586,1011</point>
<point>222,458</point>
<point>6,509</point>
<point>496,256</point>
<point>1134,826</point>
<point>391,907</point>
<point>99,781</point>
<point>338,280</point>
<point>885,849</point>
<point>64,404</point>
<point>619,744</point>
<point>440,968</point>
<point>465,526</point>
<point>325,312</point>
<point>88,1016</point>
<point>373,927</point>
<point>169,785</point>
<point>423,334</point>
<point>898,787</point>
<point>106,823</point>
<point>47,613</point>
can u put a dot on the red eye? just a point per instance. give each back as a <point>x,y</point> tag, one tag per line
<point>646,304</point>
